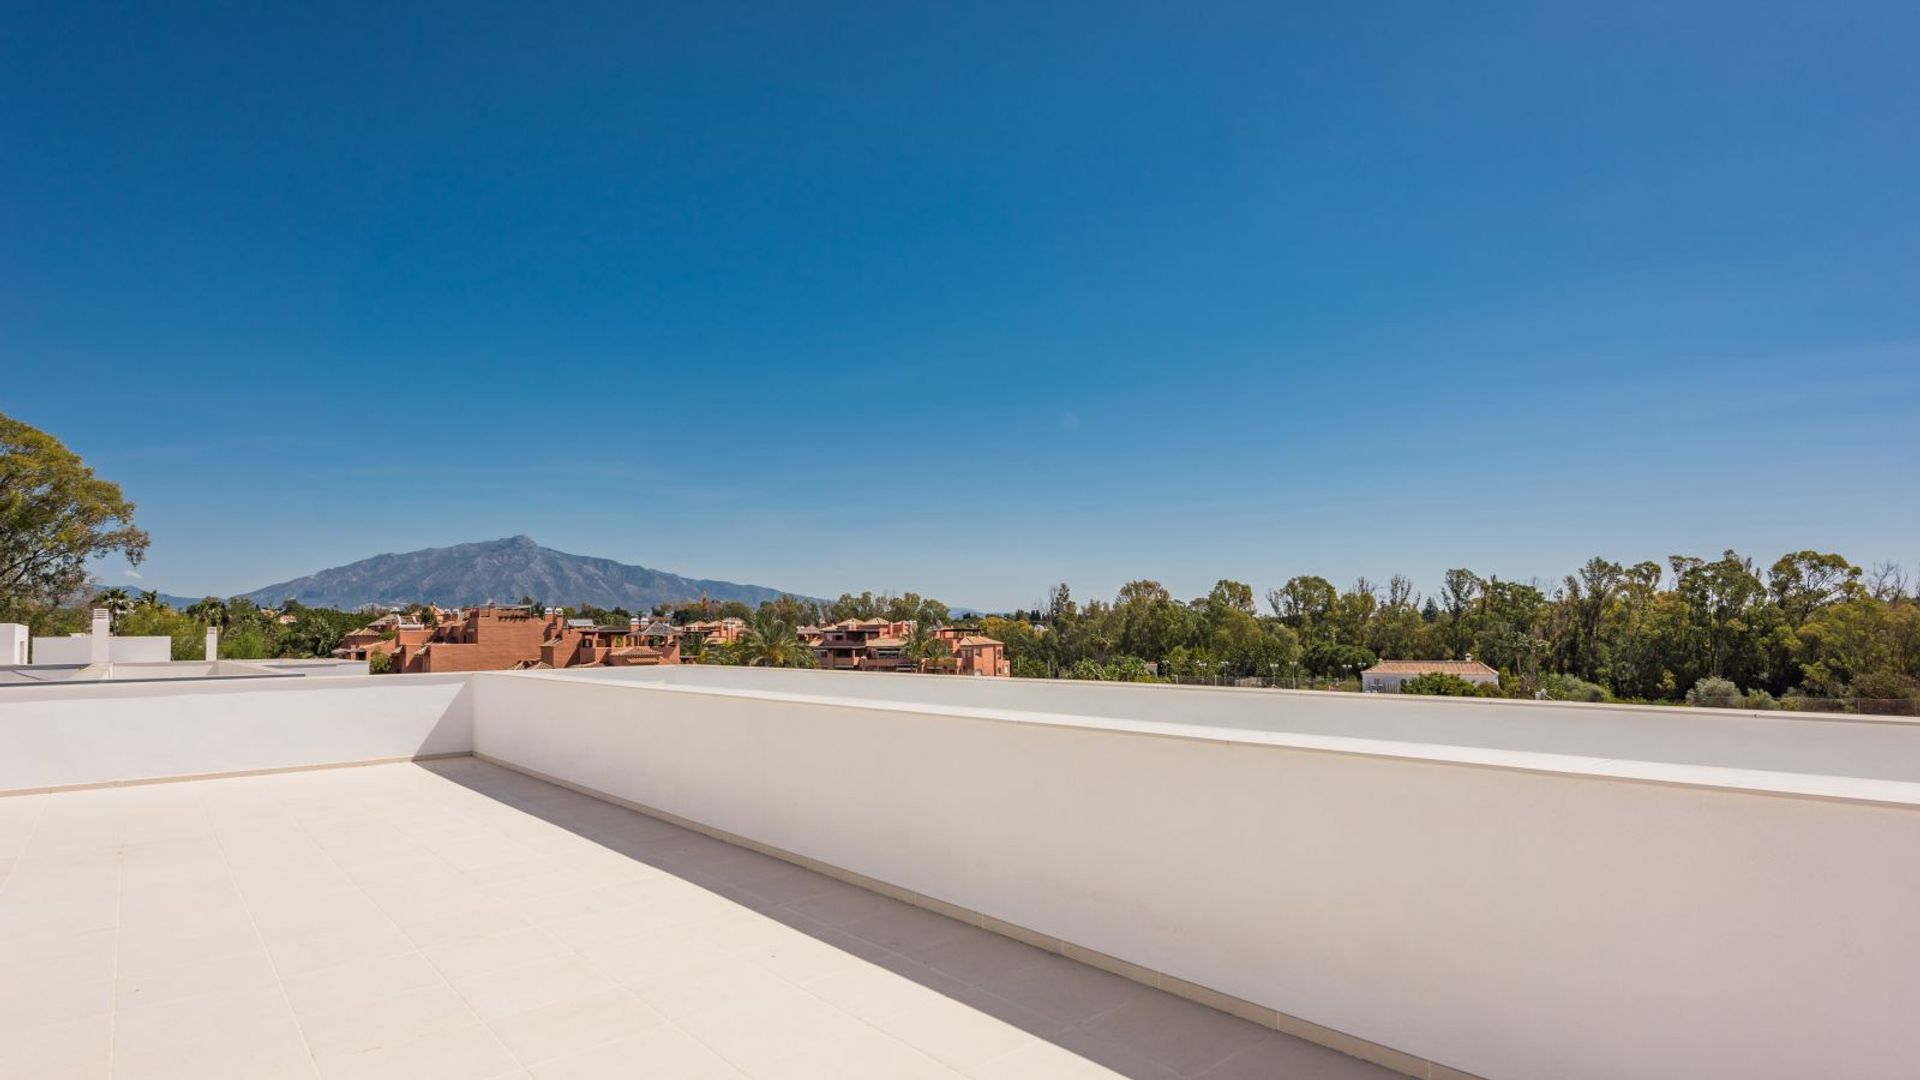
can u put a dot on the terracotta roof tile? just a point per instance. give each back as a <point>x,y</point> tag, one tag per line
<point>1422,667</point>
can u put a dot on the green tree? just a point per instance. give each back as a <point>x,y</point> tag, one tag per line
<point>188,635</point>
<point>1803,582</point>
<point>772,642</point>
<point>923,645</point>
<point>56,516</point>
<point>1305,605</point>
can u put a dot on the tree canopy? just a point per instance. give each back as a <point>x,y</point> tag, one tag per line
<point>56,517</point>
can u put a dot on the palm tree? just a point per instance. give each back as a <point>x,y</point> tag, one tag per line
<point>693,649</point>
<point>115,600</point>
<point>923,645</point>
<point>148,599</point>
<point>212,611</point>
<point>772,642</point>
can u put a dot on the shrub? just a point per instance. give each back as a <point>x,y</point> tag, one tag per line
<point>1572,688</point>
<point>1714,692</point>
<point>1885,686</point>
<point>380,663</point>
<point>1887,692</point>
<point>1760,701</point>
<point>1441,684</point>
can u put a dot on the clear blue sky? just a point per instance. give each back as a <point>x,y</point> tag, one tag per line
<point>976,298</point>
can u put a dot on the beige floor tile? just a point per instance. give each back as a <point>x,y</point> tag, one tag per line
<point>587,932</point>
<point>470,1053</point>
<point>573,1025</point>
<point>139,987</point>
<point>1068,991</point>
<point>242,1058</point>
<point>336,987</point>
<point>955,1035</point>
<point>665,1052</point>
<point>155,949</point>
<point>1295,1059</point>
<point>383,1021</point>
<point>869,1055</point>
<point>978,957</point>
<point>650,957</point>
<point>876,993</point>
<point>496,994</point>
<point>50,994</point>
<point>841,904</point>
<point>800,958</point>
<point>295,955</point>
<point>237,1035</point>
<point>561,907</point>
<point>436,930</point>
<point>496,952</point>
<point>87,954</point>
<point>1047,1061</point>
<point>69,1050</point>
<point>906,929</point>
<point>755,1033</point>
<point>1186,1037</point>
<point>717,982</point>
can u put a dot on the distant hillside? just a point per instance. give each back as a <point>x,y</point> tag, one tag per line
<point>502,571</point>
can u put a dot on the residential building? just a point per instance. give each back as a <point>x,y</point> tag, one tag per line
<point>848,644</point>
<point>716,631</point>
<point>975,653</point>
<point>879,644</point>
<point>495,637</point>
<point>1386,676</point>
<point>632,645</point>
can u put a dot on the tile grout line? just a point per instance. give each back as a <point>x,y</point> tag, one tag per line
<point>279,981</point>
<point>119,914</point>
<point>571,950</point>
<point>300,824</point>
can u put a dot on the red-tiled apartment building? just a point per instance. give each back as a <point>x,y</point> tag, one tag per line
<point>496,637</point>
<point>876,644</point>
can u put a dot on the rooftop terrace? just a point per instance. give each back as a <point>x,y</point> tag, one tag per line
<point>725,872</point>
<point>455,919</point>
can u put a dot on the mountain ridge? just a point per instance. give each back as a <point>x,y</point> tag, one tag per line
<point>501,571</point>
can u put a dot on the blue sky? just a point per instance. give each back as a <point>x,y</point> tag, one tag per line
<point>970,299</point>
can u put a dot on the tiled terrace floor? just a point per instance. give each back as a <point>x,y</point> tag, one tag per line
<point>457,920</point>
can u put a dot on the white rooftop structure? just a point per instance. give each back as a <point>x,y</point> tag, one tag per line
<point>727,872</point>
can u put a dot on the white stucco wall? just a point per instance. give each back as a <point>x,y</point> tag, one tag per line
<point>1514,915</point>
<point>98,733</point>
<point>79,650</point>
<point>1820,744</point>
<point>13,643</point>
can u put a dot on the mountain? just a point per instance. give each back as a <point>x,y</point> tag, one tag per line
<point>502,571</point>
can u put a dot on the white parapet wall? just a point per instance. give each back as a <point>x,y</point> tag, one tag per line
<point>78,649</point>
<point>62,736</point>
<point>1511,913</point>
<point>1885,747</point>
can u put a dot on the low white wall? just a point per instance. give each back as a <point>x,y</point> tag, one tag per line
<point>1510,922</point>
<point>1821,744</point>
<point>100,733</point>
<point>79,650</point>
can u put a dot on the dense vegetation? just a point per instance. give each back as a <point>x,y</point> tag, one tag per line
<point>1810,625</point>
<point>247,631</point>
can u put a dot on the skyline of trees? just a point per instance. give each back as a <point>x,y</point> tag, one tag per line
<point>1810,624</point>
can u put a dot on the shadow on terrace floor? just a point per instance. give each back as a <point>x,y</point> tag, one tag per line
<point>1132,1030</point>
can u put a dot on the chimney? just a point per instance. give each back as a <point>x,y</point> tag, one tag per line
<point>98,649</point>
<point>633,624</point>
<point>213,643</point>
